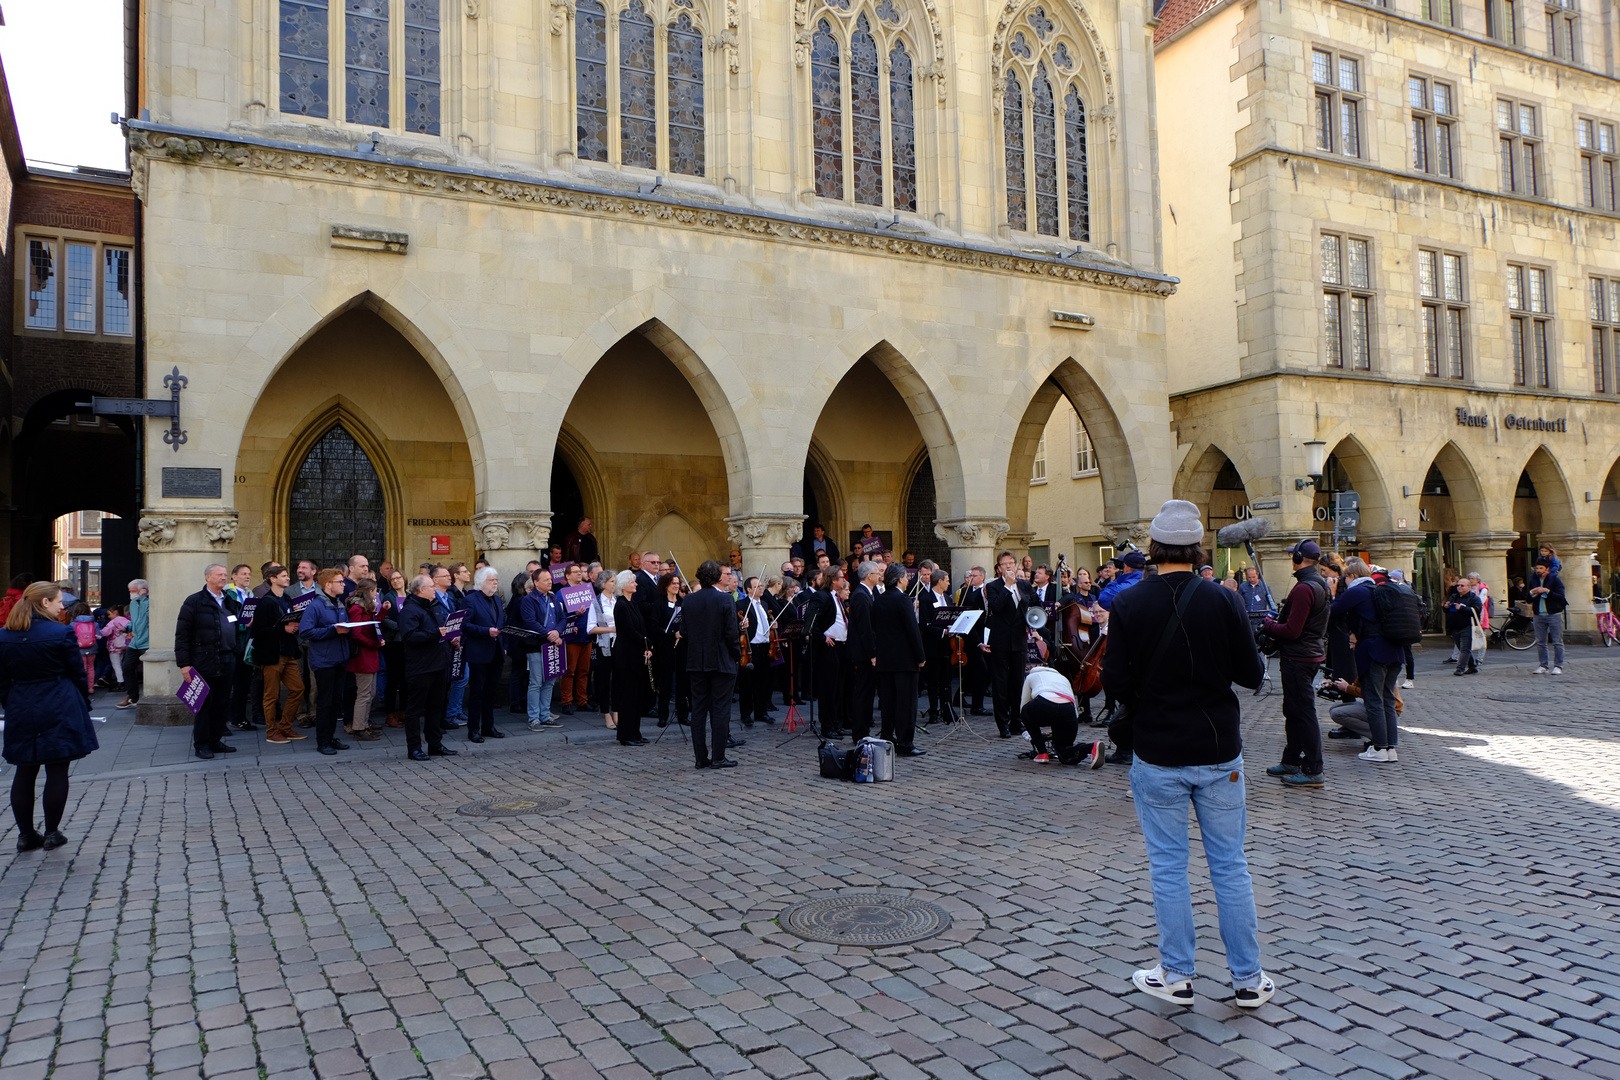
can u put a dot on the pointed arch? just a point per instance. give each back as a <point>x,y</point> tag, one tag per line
<point>336,411</point>
<point>1195,480</point>
<point>1469,506</point>
<point>1377,510</point>
<point>1084,29</point>
<point>828,484</point>
<point>1552,491</point>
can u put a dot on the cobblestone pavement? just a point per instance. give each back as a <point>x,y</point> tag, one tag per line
<point>282,915</point>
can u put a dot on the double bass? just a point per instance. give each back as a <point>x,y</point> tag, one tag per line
<point>1080,662</point>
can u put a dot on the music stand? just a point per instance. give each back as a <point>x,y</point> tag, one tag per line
<point>940,618</point>
<point>674,691</point>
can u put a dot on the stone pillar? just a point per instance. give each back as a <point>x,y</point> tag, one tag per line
<point>509,539</point>
<point>1394,551</point>
<point>1575,551</point>
<point>178,545</point>
<point>1135,531</point>
<point>973,543</point>
<point>764,540</point>
<point>1485,554</point>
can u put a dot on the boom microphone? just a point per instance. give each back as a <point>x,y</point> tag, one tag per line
<point>1243,532</point>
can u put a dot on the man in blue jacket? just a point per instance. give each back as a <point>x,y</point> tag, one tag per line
<point>1547,605</point>
<point>1135,564</point>
<point>543,614</point>
<point>1378,663</point>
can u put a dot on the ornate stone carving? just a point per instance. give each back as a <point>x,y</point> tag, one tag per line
<point>972,532</point>
<point>998,52</point>
<point>156,533</point>
<point>219,153</point>
<point>756,529</point>
<point>220,530</point>
<point>1136,532</point>
<point>561,12</point>
<point>472,9</point>
<point>513,531</point>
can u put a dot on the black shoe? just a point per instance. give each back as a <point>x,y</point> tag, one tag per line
<point>475,738</point>
<point>748,723</point>
<point>1341,733</point>
<point>1119,757</point>
<point>221,748</point>
<point>649,715</point>
<point>29,841</point>
<point>418,755</point>
<point>241,725</point>
<point>702,765</point>
<point>329,751</point>
<point>732,744</point>
<point>566,710</point>
<point>442,751</point>
<point>977,712</point>
<point>494,734</point>
<point>640,742</point>
<point>53,839</point>
<point>338,744</point>
<point>205,753</point>
<point>684,721</point>
<point>1004,731</point>
<point>1460,671</point>
<point>723,763</point>
<point>909,751</point>
<point>1449,660</point>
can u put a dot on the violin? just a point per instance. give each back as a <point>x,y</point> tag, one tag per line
<point>958,651</point>
<point>776,647</point>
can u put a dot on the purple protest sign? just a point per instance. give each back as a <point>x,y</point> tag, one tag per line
<point>248,607</point>
<point>453,625</point>
<point>193,692</point>
<point>558,571</point>
<point>576,597</point>
<point>556,662</point>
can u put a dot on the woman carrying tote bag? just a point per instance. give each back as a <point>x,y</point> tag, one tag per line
<point>47,710</point>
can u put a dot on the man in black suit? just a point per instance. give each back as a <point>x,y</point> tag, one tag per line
<point>863,647</point>
<point>827,635</point>
<point>975,673</point>
<point>936,647</point>
<point>1005,601</point>
<point>1045,591</point>
<point>205,647</point>
<point>709,626</point>
<point>900,658</point>
<point>754,684</point>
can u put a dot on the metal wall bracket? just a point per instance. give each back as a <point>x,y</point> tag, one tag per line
<point>174,382</point>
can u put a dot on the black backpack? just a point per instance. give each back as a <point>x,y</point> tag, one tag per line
<point>1400,620</point>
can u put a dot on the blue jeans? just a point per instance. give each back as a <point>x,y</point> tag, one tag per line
<point>1378,688</point>
<point>1549,628</point>
<point>1217,796</point>
<point>539,690</point>
<point>458,690</point>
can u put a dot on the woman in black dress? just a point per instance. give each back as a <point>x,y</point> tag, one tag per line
<point>631,652</point>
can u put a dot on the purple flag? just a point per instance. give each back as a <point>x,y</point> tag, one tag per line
<point>193,692</point>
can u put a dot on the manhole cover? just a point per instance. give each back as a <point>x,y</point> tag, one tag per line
<point>513,806</point>
<point>870,919</point>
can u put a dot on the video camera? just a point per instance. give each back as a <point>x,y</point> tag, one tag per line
<point>1268,645</point>
<point>1327,691</point>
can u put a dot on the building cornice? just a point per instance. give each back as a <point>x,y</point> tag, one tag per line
<point>236,152</point>
<point>1376,380</point>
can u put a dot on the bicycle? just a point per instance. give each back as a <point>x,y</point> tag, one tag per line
<point>1517,631</point>
<point>1608,623</point>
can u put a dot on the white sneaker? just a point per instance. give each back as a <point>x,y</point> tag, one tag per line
<point>1151,981</point>
<point>1372,753</point>
<point>1407,685</point>
<point>1557,671</point>
<point>1539,671</point>
<point>1391,755</point>
<point>1256,996</point>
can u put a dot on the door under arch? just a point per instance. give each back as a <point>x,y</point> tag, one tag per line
<point>337,507</point>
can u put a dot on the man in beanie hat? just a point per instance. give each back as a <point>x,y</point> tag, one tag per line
<point>1176,645</point>
<point>1302,646</point>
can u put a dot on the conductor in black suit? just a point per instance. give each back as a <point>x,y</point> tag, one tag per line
<point>900,658</point>
<point>863,647</point>
<point>709,626</point>
<point>1005,601</point>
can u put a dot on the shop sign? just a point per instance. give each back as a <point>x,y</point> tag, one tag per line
<point>1512,422</point>
<point>439,545</point>
<point>1468,419</point>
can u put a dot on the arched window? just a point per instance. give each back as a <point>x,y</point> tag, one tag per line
<point>1043,117</point>
<point>337,505</point>
<point>643,107</point>
<point>864,127</point>
<point>363,90</point>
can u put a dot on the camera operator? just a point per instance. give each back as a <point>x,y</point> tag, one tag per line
<point>1301,648</point>
<point>1378,663</point>
<point>1351,712</point>
<point>1177,644</point>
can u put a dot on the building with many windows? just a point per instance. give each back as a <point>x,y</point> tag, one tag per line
<point>447,275</point>
<point>1396,228</point>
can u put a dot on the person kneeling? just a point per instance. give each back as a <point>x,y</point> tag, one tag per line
<point>1048,702</point>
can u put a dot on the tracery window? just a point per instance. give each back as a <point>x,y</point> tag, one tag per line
<point>1043,120</point>
<point>638,83</point>
<point>372,87</point>
<point>863,103</point>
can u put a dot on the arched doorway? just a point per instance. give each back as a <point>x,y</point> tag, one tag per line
<point>1451,501</point>
<point>1609,529</point>
<point>567,502</point>
<point>922,510</point>
<point>1542,507</point>
<point>337,508</point>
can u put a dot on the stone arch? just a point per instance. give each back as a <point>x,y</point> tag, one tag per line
<point>335,411</point>
<point>1552,491</point>
<point>831,501</point>
<point>1377,510</point>
<point>700,357</point>
<point>1469,505</point>
<point>1195,480</point>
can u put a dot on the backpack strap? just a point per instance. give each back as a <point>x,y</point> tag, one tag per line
<point>1183,602</point>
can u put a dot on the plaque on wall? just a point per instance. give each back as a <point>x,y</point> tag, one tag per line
<point>192,483</point>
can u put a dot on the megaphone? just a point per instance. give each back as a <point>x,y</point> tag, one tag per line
<point>1035,617</point>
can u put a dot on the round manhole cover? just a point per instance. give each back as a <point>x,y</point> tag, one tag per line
<point>513,806</point>
<point>870,919</point>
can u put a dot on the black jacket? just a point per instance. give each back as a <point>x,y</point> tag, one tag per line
<point>1555,601</point>
<point>426,651</point>
<point>1183,711</point>
<point>1459,618</point>
<point>898,638</point>
<point>934,642</point>
<point>1301,625</point>
<point>1004,613</point>
<point>709,628</point>
<point>203,637</point>
<point>862,641</point>
<point>629,641</point>
<point>272,643</point>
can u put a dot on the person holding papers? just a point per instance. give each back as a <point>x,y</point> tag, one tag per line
<point>319,627</point>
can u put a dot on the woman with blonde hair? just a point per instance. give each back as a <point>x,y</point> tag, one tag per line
<point>47,709</point>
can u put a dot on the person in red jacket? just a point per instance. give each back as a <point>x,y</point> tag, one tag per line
<point>14,594</point>
<point>367,659</point>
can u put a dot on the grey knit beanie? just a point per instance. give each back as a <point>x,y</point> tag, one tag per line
<point>1177,524</point>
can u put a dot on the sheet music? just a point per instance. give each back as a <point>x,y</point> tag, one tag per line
<point>965,622</point>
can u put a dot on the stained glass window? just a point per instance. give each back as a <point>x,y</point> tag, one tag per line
<point>902,128</point>
<point>1044,114</point>
<point>685,97</point>
<point>638,108</point>
<point>365,86</point>
<point>827,112</point>
<point>866,115</point>
<point>590,78</point>
<point>1013,125</point>
<point>422,66</point>
<point>337,503</point>
<point>1074,152</point>
<point>305,56</point>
